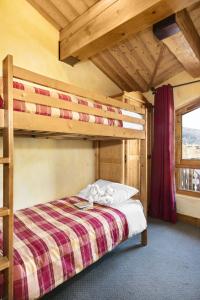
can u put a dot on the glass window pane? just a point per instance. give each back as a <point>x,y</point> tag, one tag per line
<point>191,135</point>
<point>189,179</point>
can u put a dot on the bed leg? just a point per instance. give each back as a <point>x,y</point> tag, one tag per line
<point>144,238</point>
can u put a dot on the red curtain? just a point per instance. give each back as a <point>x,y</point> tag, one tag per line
<point>162,203</point>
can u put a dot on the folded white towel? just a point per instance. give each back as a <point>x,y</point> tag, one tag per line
<point>99,196</point>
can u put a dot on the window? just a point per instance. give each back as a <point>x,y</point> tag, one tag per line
<point>188,149</point>
<point>191,135</point>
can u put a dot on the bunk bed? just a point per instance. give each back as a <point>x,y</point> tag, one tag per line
<point>38,106</point>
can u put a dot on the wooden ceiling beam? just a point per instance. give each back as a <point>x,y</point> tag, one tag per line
<point>89,15</point>
<point>115,23</point>
<point>179,34</point>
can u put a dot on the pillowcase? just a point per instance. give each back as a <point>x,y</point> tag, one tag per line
<point>121,192</point>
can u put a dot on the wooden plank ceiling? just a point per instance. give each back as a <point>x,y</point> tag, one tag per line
<point>61,12</point>
<point>139,62</point>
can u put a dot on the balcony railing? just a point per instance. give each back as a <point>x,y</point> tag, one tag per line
<point>189,179</point>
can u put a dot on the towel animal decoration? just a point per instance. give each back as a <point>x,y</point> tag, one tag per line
<point>100,196</point>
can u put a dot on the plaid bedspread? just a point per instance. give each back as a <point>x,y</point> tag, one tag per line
<point>62,113</point>
<point>54,241</point>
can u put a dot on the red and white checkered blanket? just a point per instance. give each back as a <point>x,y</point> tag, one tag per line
<point>62,113</point>
<point>55,241</point>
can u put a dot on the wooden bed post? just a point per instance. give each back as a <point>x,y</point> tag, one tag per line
<point>6,262</point>
<point>144,178</point>
<point>96,146</point>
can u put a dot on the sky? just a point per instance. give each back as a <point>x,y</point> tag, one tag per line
<point>192,119</point>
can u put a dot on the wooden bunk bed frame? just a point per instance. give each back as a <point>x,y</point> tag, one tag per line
<point>22,123</point>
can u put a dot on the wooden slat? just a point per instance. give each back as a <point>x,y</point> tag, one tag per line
<point>144,180</point>
<point>189,193</point>
<point>188,164</point>
<point>4,160</point>
<point>135,97</point>
<point>191,162</point>
<point>179,166</point>
<point>27,121</point>
<point>57,103</point>
<point>8,173</point>
<point>23,74</point>
<point>4,263</point>
<point>143,171</point>
<point>96,145</point>
<point>4,211</point>
<point>91,14</point>
<point>31,122</point>
<point>178,135</point>
<point>116,23</point>
<point>133,154</point>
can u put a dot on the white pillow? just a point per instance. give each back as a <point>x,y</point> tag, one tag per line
<point>121,193</point>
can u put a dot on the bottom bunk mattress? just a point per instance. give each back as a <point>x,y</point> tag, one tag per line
<point>54,241</point>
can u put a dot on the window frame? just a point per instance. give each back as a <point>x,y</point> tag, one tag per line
<point>179,161</point>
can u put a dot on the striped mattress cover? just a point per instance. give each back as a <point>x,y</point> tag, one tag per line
<point>61,113</point>
<point>54,241</point>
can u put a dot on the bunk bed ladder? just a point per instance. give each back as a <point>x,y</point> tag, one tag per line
<point>6,212</point>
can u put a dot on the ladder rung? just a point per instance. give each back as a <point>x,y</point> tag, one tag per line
<point>4,160</point>
<point>4,263</point>
<point>4,211</point>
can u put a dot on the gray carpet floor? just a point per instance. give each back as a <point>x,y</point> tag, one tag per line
<point>167,269</point>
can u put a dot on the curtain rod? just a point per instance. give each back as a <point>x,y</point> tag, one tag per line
<point>178,85</point>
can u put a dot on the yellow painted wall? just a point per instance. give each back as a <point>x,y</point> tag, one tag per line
<point>50,169</point>
<point>46,169</point>
<point>186,205</point>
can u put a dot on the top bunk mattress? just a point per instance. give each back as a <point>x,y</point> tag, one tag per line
<point>22,106</point>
